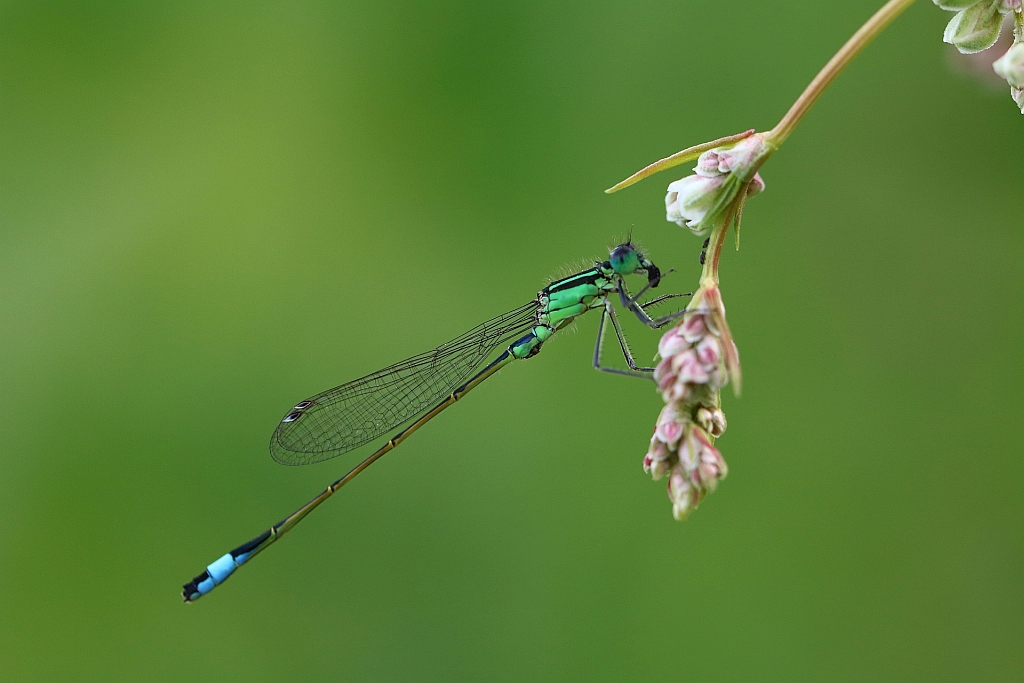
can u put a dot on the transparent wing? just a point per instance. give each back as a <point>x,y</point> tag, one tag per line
<point>350,415</point>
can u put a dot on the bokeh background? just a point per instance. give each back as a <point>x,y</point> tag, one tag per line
<point>211,210</point>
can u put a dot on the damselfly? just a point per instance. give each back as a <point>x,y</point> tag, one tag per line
<point>351,415</point>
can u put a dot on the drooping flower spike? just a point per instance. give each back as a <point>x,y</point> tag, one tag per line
<point>698,358</point>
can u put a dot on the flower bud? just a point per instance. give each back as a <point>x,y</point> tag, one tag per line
<point>684,497</point>
<point>712,420</point>
<point>692,328</point>
<point>688,454</point>
<point>658,460</point>
<point>689,199</point>
<point>711,465</point>
<point>709,353</point>
<point>975,28</point>
<point>665,377</point>
<point>711,164</point>
<point>672,342</point>
<point>688,368</point>
<point>1018,96</point>
<point>756,185</point>
<point>1011,66</point>
<point>702,200</point>
<point>741,157</point>
<point>671,425</point>
<point>673,389</point>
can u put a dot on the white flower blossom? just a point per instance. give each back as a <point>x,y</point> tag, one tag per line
<point>701,200</point>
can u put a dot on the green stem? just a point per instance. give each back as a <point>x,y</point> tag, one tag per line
<point>1018,26</point>
<point>709,275</point>
<point>777,135</point>
<point>853,46</point>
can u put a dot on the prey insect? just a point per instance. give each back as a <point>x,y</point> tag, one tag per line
<point>421,387</point>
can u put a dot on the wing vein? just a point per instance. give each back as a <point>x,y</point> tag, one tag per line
<point>352,414</point>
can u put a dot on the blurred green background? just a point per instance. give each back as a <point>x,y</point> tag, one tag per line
<point>211,210</point>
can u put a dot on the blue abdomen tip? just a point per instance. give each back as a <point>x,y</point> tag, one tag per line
<point>222,568</point>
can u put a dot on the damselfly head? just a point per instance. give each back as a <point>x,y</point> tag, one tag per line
<point>626,259</point>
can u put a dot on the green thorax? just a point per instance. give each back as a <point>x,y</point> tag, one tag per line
<point>563,300</point>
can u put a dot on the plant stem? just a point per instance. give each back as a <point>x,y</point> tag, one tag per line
<point>853,46</point>
<point>777,135</point>
<point>709,275</point>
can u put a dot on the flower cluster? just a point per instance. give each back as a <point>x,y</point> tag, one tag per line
<point>698,358</point>
<point>976,27</point>
<point>703,200</point>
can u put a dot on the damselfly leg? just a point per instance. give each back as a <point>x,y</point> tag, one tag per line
<point>630,302</point>
<point>609,314</point>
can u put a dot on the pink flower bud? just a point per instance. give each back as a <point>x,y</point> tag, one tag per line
<point>711,164</point>
<point>689,453</point>
<point>741,156</point>
<point>665,377</point>
<point>711,195</point>
<point>663,372</point>
<point>658,460</point>
<point>678,392</point>
<point>684,497</point>
<point>689,368</point>
<point>672,342</point>
<point>697,359</point>
<point>671,425</point>
<point>709,353</point>
<point>711,465</point>
<point>692,328</point>
<point>712,420</point>
<point>756,185</point>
